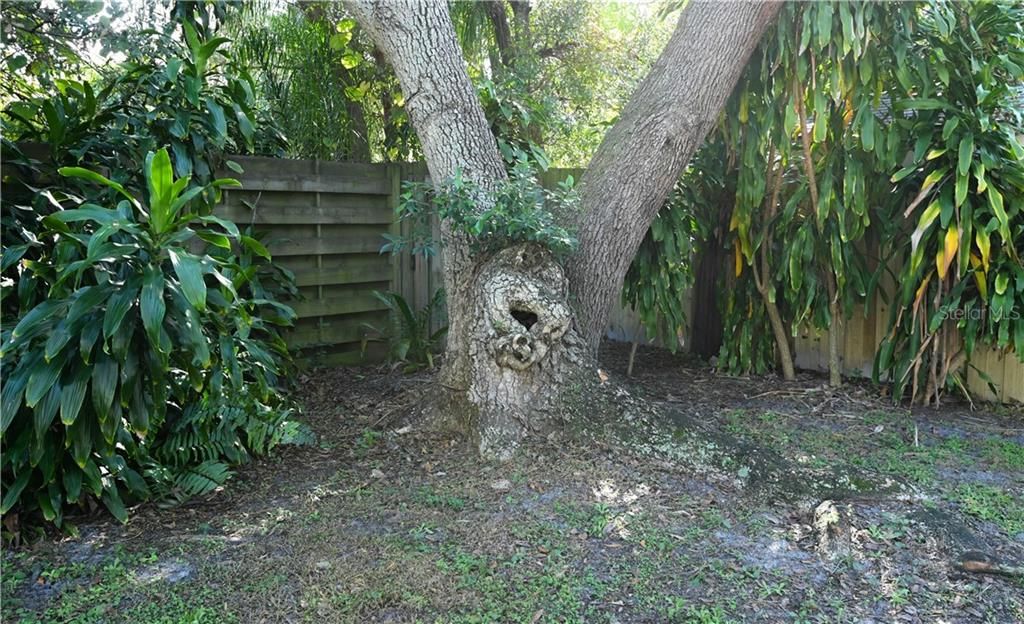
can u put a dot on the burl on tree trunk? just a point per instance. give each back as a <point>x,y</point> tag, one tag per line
<point>514,342</point>
<point>522,349</point>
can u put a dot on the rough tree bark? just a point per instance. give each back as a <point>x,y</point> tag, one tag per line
<point>515,344</point>
<point>661,127</point>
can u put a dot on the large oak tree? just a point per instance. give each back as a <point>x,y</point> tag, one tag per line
<point>523,328</point>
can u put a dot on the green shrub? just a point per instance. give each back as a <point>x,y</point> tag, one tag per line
<point>192,102</point>
<point>148,362</point>
<point>520,211</point>
<point>410,340</point>
<point>145,357</point>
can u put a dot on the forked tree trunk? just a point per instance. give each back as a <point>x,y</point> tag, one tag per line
<point>515,345</point>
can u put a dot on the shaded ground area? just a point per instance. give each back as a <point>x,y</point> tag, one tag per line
<point>383,523</point>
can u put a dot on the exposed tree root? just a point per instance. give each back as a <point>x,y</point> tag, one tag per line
<point>982,563</point>
<point>608,414</point>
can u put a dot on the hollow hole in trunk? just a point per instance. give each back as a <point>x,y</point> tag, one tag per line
<point>526,318</point>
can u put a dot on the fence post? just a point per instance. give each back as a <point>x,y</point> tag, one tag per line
<point>394,172</point>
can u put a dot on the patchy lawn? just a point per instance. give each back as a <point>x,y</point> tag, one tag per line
<point>382,523</point>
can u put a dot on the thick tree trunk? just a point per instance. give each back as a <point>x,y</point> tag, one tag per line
<point>502,31</point>
<point>512,347</point>
<point>510,343</point>
<point>642,156</point>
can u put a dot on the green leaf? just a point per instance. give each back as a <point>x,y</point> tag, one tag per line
<point>867,132</point>
<point>902,173</point>
<point>351,60</point>
<point>11,255</point>
<point>14,490</point>
<point>73,394</point>
<point>92,176</point>
<point>824,23</point>
<point>961,188</point>
<point>117,307</point>
<point>244,125</point>
<point>58,338</point>
<point>90,333</point>
<point>72,478</point>
<point>218,240</point>
<point>104,384</point>
<point>995,202</point>
<point>965,155</point>
<point>949,127</point>
<point>1015,146</point>
<point>255,247</point>
<point>41,378</point>
<point>47,409</point>
<point>228,226</point>
<point>112,499</point>
<point>87,300</point>
<point>338,41</point>
<point>45,502</point>
<point>182,159</point>
<point>1001,283</point>
<point>160,180</point>
<point>38,319</point>
<point>87,212</point>
<point>190,273</point>
<point>139,416</point>
<point>220,124</point>
<point>200,348</point>
<point>151,304</point>
<point>920,104</point>
<point>172,69</point>
<point>12,393</point>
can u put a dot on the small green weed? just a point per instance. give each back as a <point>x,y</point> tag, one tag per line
<point>992,504</point>
<point>431,498</point>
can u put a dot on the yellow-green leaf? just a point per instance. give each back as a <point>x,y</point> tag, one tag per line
<point>1002,281</point>
<point>961,189</point>
<point>981,238</point>
<point>945,255</point>
<point>995,202</point>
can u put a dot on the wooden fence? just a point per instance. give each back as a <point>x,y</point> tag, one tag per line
<point>325,221</point>
<point>859,339</point>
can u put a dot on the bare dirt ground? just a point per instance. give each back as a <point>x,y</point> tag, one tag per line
<point>381,522</point>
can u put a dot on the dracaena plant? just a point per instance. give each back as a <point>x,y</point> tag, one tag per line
<point>961,279</point>
<point>150,365</point>
<point>190,97</point>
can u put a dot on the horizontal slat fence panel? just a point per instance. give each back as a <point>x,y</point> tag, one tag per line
<point>324,221</point>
